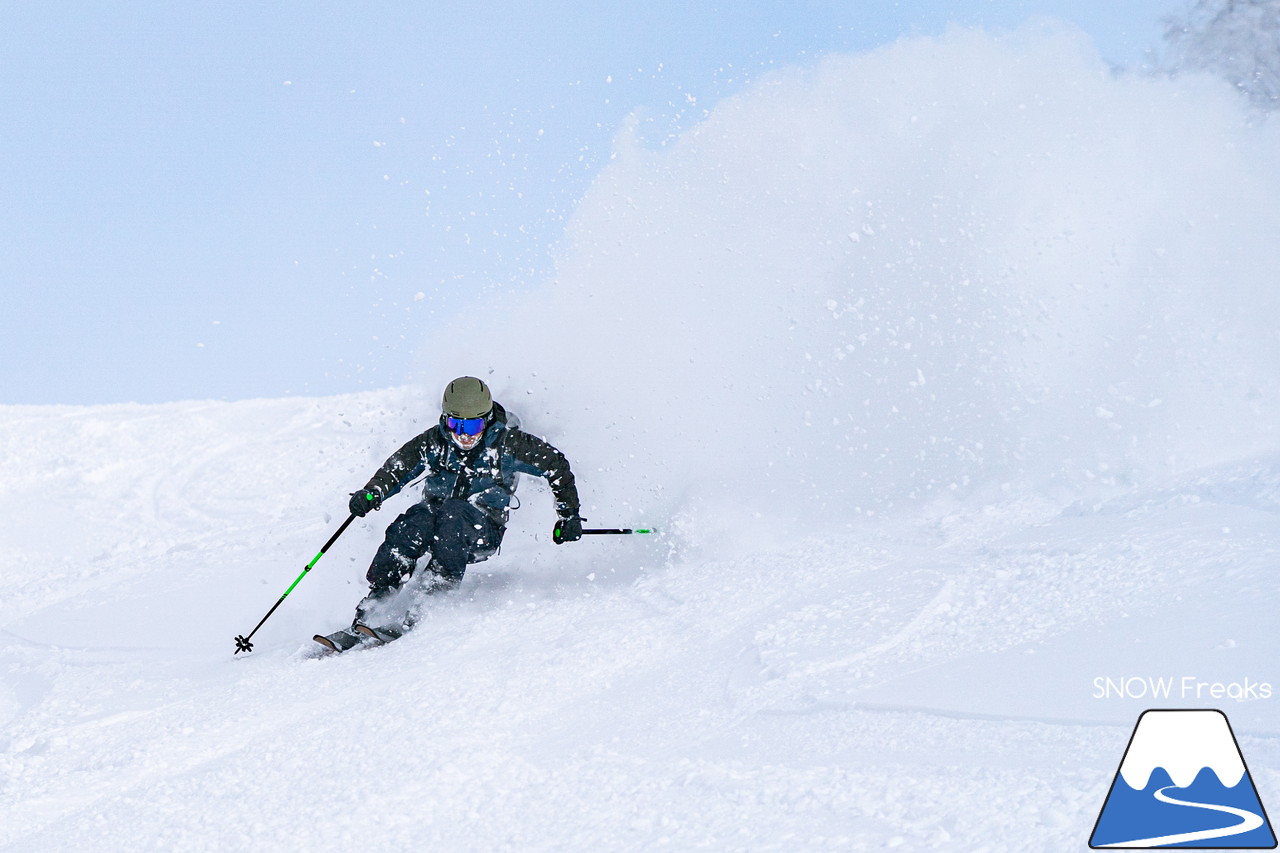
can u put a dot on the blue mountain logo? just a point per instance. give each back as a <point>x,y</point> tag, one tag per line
<point>1183,783</point>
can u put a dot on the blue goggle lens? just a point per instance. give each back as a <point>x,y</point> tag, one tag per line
<point>465,426</point>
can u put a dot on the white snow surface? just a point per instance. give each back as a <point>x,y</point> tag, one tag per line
<point>948,373</point>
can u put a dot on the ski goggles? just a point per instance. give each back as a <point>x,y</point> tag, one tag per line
<point>465,426</point>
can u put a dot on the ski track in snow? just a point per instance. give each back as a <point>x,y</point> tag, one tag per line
<point>671,701</point>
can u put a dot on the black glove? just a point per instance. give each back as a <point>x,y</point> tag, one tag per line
<point>363,501</point>
<point>568,529</point>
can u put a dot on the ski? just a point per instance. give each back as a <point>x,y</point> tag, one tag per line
<point>340,641</point>
<point>358,635</point>
<point>383,634</point>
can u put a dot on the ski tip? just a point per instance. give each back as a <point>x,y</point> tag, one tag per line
<point>326,642</point>
<point>384,635</point>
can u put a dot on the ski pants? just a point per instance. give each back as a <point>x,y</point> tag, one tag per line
<point>453,531</point>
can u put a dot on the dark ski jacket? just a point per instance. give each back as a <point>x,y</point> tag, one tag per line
<point>484,476</point>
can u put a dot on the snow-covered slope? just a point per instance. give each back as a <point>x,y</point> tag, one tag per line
<point>925,679</point>
<point>946,370</point>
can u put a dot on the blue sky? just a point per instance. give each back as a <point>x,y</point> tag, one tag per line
<point>254,200</point>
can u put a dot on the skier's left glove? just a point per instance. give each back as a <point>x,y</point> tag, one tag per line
<point>568,529</point>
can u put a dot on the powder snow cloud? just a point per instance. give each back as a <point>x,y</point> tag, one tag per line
<point>944,265</point>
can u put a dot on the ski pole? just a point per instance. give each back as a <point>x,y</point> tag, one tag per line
<point>616,531</point>
<point>242,643</point>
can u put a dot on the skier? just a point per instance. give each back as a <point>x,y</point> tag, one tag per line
<point>470,459</point>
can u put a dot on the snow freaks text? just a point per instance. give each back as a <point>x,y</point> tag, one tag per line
<point>1186,687</point>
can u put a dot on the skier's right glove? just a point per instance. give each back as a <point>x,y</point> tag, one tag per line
<point>567,529</point>
<point>363,501</point>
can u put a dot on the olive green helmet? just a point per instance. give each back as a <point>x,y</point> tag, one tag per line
<point>467,397</point>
